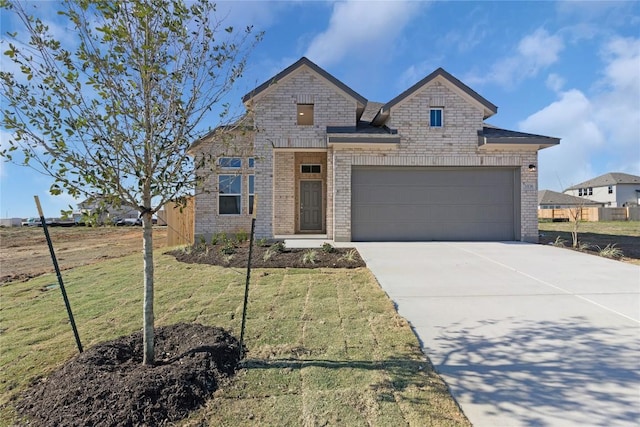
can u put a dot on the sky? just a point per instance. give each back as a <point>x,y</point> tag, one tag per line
<point>566,69</point>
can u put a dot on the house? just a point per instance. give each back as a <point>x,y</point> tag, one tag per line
<point>323,160</point>
<point>615,189</point>
<point>105,211</point>
<point>548,199</point>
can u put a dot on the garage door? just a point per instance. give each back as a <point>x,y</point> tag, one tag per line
<point>414,203</point>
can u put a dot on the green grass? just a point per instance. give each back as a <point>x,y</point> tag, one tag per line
<point>326,347</point>
<point>617,228</point>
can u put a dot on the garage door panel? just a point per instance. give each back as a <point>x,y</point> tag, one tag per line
<point>390,203</point>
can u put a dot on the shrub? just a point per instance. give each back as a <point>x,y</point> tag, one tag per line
<point>349,256</point>
<point>583,246</point>
<point>309,257</point>
<point>269,253</point>
<point>228,247</point>
<point>328,248</point>
<point>262,242</point>
<point>610,251</point>
<point>279,247</point>
<point>218,238</point>
<point>559,242</point>
<point>242,236</point>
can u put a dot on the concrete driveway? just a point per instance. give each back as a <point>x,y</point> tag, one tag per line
<point>525,335</point>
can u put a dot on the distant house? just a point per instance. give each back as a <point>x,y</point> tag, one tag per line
<point>548,199</point>
<point>106,212</point>
<point>613,189</point>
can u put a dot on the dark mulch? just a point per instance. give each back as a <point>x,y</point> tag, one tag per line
<point>629,245</point>
<point>107,385</point>
<point>330,257</point>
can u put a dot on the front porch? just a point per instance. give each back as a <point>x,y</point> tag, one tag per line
<point>300,188</point>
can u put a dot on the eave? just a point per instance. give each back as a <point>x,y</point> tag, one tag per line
<point>496,139</point>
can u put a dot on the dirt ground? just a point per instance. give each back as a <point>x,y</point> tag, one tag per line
<point>107,385</point>
<point>24,252</point>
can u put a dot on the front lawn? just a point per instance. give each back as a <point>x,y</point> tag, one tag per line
<point>325,346</point>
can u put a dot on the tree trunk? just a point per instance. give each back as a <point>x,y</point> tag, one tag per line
<point>148,333</point>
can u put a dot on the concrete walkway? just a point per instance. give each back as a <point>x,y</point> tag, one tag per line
<point>525,335</point>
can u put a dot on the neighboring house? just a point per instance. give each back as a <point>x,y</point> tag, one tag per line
<point>548,199</point>
<point>614,189</point>
<point>323,160</point>
<point>106,212</point>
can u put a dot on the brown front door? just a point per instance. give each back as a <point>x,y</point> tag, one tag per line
<point>310,205</point>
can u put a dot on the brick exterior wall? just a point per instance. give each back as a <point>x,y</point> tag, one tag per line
<point>208,221</point>
<point>275,112</point>
<point>454,144</point>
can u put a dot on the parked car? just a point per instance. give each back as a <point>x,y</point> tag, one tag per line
<point>31,222</point>
<point>129,221</point>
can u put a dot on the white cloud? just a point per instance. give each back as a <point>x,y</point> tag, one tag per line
<point>416,72</point>
<point>534,53</point>
<point>600,133</point>
<point>360,27</point>
<point>555,82</point>
<point>571,119</point>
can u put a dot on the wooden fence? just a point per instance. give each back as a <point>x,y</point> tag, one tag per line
<point>180,223</point>
<point>591,214</point>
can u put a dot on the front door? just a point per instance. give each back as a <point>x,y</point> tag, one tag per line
<point>310,205</point>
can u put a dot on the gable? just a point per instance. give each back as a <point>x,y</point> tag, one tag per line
<point>439,76</point>
<point>302,65</point>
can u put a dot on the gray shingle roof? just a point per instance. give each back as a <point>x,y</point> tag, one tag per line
<point>607,179</point>
<point>490,135</point>
<point>548,197</point>
<point>299,63</point>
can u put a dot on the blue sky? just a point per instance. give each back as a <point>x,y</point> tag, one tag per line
<point>566,69</point>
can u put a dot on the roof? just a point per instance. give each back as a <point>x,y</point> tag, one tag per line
<point>295,66</point>
<point>612,178</point>
<point>242,124</point>
<point>371,110</point>
<point>489,108</point>
<point>548,197</point>
<point>491,136</point>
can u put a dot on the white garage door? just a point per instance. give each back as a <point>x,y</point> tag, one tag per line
<point>416,203</point>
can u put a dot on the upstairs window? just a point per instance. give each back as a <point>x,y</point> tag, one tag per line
<point>252,162</point>
<point>230,162</point>
<point>590,191</point>
<point>610,189</point>
<point>305,114</point>
<point>436,117</point>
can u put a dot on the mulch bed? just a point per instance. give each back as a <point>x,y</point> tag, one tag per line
<point>329,257</point>
<point>107,385</point>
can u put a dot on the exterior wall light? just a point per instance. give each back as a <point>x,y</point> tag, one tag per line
<point>532,167</point>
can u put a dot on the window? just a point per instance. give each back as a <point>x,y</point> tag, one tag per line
<point>305,114</point>
<point>579,191</point>
<point>230,162</point>
<point>435,117</point>
<point>230,194</point>
<point>591,191</point>
<point>311,168</point>
<point>610,189</point>
<point>252,162</point>
<point>251,192</point>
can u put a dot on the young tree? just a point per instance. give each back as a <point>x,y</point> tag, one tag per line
<point>115,114</point>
